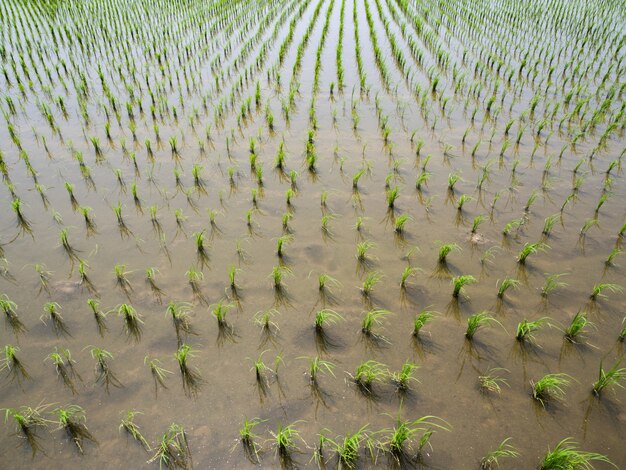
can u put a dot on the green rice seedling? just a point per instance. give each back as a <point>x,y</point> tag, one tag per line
<point>120,180</point>
<point>190,375</point>
<point>65,243</point>
<point>400,222</point>
<point>173,141</point>
<point>607,378</point>
<point>526,329</point>
<point>277,275</point>
<point>356,178</point>
<point>278,360</point>
<point>325,282</point>
<point>151,281</point>
<point>99,316</point>
<point>128,424</point>
<point>85,280</point>
<point>64,367</point>
<point>598,290</point>
<point>371,279</point>
<point>392,196</point>
<point>368,372</point>
<point>172,451</point>
<point>575,329</point>
<point>44,277</point>
<point>249,438</point>
<point>318,452</point>
<point>529,249</point>
<point>373,318</point>
<point>549,224</point>
<point>72,419</point>
<point>212,213</point>
<point>479,219</point>
<point>506,284</point>
<point>90,224</point>
<point>52,311</point>
<point>124,230</point>
<point>201,250</point>
<point>96,145</point>
<point>475,321</point>
<point>181,318</point>
<point>622,334</point>
<point>504,449</point>
<point>260,370</point>
<point>318,366</point>
<point>445,249</point>
<point>281,242</point>
<point>491,381</point>
<point>232,275</point>
<point>568,199</point>
<point>459,282</point>
<point>27,422</point>
<point>402,378</point>
<point>349,448</point>
<point>259,175</point>
<point>121,278</point>
<point>311,157</point>
<point>194,277</point>
<point>530,201</point>
<point>242,254</point>
<point>550,386</point>
<point>104,374</point>
<point>422,180</point>
<point>566,455</point>
<point>326,317</point>
<point>462,201</point>
<point>180,220</point>
<point>286,218</point>
<point>398,440</point>
<point>196,171</point>
<point>12,364</point>
<point>219,311</point>
<point>601,202</point>
<point>159,374</point>
<point>132,321</point>
<point>285,440</point>
<point>22,222</point>
<point>361,250</point>
<point>409,271</point>
<point>611,258</point>
<point>289,195</point>
<point>488,256</point>
<point>324,199</point>
<point>136,199</point>
<point>263,319</point>
<point>453,179</point>
<point>552,283</point>
<point>326,219</point>
<point>279,161</point>
<point>293,178</point>
<point>359,225</point>
<point>10,314</point>
<point>421,319</point>
<point>514,224</point>
<point>589,223</point>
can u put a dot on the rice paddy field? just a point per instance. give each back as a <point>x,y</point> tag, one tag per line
<point>312,233</point>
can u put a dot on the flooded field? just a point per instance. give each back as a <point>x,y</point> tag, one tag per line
<point>302,234</point>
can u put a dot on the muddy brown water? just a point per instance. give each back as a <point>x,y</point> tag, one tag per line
<point>449,365</point>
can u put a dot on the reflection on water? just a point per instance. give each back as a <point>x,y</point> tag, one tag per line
<point>199,205</point>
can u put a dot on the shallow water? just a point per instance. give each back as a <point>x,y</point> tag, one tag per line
<point>449,365</point>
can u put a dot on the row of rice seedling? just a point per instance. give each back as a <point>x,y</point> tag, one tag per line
<point>156,157</point>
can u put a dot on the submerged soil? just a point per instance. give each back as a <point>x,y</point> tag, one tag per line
<point>112,61</point>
